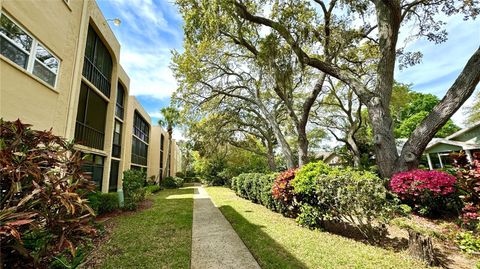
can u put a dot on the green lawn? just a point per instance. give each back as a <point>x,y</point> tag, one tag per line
<point>158,237</point>
<point>278,242</point>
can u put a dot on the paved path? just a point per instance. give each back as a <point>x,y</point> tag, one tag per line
<point>214,242</point>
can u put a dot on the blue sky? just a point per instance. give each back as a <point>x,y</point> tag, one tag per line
<point>150,29</point>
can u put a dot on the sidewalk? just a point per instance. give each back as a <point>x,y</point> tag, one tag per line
<point>214,242</point>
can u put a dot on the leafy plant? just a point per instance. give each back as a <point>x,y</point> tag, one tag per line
<point>103,203</point>
<point>283,192</point>
<point>468,242</point>
<point>44,210</point>
<point>133,181</point>
<point>469,188</point>
<point>355,197</point>
<point>306,179</point>
<point>427,191</point>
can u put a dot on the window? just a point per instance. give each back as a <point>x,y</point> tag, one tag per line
<point>22,49</point>
<point>112,184</point>
<point>93,167</point>
<point>140,127</point>
<point>97,66</point>
<point>117,139</point>
<point>139,152</point>
<point>120,100</point>
<point>91,114</point>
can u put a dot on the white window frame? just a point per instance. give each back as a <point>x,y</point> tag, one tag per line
<point>32,57</point>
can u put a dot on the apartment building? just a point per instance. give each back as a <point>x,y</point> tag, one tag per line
<point>60,69</point>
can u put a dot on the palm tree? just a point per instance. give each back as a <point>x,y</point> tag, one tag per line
<point>170,119</point>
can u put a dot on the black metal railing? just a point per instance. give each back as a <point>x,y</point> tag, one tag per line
<point>88,136</point>
<point>138,159</point>
<point>119,111</point>
<point>96,77</point>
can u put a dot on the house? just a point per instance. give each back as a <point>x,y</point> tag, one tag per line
<point>60,69</point>
<point>331,158</point>
<point>467,140</point>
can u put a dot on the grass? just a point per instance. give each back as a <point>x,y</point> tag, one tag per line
<point>158,237</point>
<point>278,242</point>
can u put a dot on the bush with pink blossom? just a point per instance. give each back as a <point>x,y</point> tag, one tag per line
<point>428,192</point>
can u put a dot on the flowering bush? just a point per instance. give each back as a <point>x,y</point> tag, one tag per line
<point>469,188</point>
<point>282,191</point>
<point>427,191</point>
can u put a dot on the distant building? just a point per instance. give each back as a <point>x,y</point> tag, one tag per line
<point>60,69</point>
<point>467,140</point>
<point>331,158</point>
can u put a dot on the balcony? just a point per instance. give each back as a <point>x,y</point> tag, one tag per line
<point>93,74</point>
<point>88,136</point>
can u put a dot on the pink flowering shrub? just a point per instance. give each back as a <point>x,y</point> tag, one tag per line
<point>427,191</point>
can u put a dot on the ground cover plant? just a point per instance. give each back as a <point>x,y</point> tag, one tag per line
<point>156,237</point>
<point>44,212</point>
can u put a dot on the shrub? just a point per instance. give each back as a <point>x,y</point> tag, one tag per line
<point>265,189</point>
<point>355,197</point>
<point>152,189</point>
<point>468,242</point>
<point>172,182</point>
<point>103,203</point>
<point>133,181</point>
<point>427,191</point>
<point>469,189</point>
<point>43,206</point>
<point>306,180</point>
<point>309,216</point>
<point>282,191</point>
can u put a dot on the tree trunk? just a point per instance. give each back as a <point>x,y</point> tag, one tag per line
<point>388,17</point>
<point>284,146</point>
<point>167,163</point>
<point>302,146</point>
<point>421,247</point>
<point>353,147</point>
<point>462,88</point>
<point>271,157</point>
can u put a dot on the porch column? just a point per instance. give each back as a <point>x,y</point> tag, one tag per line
<point>440,159</point>
<point>469,156</point>
<point>429,161</point>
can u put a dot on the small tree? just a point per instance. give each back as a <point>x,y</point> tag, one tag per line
<point>170,119</point>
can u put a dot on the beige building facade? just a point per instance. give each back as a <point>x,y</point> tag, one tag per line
<point>60,69</point>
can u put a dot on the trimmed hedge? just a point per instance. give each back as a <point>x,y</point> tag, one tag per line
<point>152,189</point>
<point>172,182</point>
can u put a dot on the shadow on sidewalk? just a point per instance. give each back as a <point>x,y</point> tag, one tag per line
<point>267,252</point>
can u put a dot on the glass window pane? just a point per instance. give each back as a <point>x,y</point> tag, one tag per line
<point>46,58</point>
<point>44,73</point>
<point>13,53</point>
<point>12,31</point>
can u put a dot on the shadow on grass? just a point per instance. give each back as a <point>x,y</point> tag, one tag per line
<point>267,252</point>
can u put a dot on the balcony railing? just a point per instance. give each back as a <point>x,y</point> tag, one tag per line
<point>96,77</point>
<point>119,111</point>
<point>88,136</point>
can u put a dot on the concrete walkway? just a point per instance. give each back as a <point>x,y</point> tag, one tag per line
<point>214,242</point>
